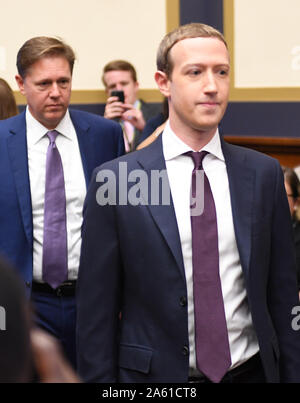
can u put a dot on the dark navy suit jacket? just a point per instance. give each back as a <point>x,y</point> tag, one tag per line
<point>132,263</point>
<point>99,140</point>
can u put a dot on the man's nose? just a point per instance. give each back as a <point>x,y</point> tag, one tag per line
<point>54,90</point>
<point>119,87</point>
<point>210,84</point>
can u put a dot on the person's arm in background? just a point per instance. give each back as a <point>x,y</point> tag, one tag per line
<point>49,362</point>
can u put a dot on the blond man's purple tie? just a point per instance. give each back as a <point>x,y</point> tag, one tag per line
<point>55,258</point>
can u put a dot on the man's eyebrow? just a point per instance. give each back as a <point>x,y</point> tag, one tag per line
<point>205,65</point>
<point>223,65</point>
<point>44,80</point>
<point>49,80</point>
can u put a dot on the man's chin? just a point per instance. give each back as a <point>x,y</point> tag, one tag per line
<point>205,127</point>
<point>51,120</point>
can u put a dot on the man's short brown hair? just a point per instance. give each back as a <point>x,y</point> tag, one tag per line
<point>193,30</point>
<point>8,106</point>
<point>119,65</point>
<point>40,47</point>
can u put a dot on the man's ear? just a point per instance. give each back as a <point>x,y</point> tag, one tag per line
<point>136,88</point>
<point>20,83</point>
<point>162,82</point>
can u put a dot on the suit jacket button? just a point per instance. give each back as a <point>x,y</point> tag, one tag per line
<point>183,301</point>
<point>27,284</point>
<point>59,292</point>
<point>185,350</point>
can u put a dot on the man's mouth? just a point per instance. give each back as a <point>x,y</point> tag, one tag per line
<point>208,104</point>
<point>55,106</point>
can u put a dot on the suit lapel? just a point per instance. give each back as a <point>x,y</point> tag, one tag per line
<point>241,184</point>
<point>81,128</point>
<point>152,159</point>
<point>17,151</point>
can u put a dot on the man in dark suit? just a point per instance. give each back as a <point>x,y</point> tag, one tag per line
<point>82,142</point>
<point>159,257</point>
<point>132,113</point>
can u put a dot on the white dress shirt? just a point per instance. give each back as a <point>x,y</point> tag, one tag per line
<point>75,188</point>
<point>242,337</point>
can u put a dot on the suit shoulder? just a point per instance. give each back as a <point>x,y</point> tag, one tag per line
<point>93,119</point>
<point>11,120</point>
<point>10,123</point>
<point>254,157</point>
<point>130,159</point>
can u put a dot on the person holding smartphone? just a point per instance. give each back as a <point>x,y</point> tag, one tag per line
<point>121,85</point>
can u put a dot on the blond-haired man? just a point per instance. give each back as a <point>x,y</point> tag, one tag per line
<point>47,156</point>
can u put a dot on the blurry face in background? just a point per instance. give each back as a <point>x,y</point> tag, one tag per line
<point>293,202</point>
<point>47,88</point>
<point>119,80</point>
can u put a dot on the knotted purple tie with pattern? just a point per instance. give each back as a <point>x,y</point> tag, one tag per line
<point>211,335</point>
<point>55,258</point>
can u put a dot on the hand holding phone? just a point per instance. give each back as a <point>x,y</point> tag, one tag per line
<point>114,108</point>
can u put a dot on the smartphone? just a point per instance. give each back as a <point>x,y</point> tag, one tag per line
<point>119,94</point>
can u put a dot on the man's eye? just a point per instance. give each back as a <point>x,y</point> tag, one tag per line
<point>195,72</point>
<point>42,85</point>
<point>223,72</point>
<point>64,82</point>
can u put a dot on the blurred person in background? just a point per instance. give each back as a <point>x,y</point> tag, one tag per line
<point>16,363</point>
<point>28,354</point>
<point>292,187</point>
<point>131,112</point>
<point>8,106</point>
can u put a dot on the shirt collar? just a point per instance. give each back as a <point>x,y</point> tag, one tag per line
<point>173,146</point>
<point>38,131</point>
<point>137,104</point>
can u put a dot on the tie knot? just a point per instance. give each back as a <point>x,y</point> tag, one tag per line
<point>52,135</point>
<point>197,157</point>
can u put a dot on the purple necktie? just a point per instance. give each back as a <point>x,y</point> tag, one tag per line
<point>55,259</point>
<point>211,335</point>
